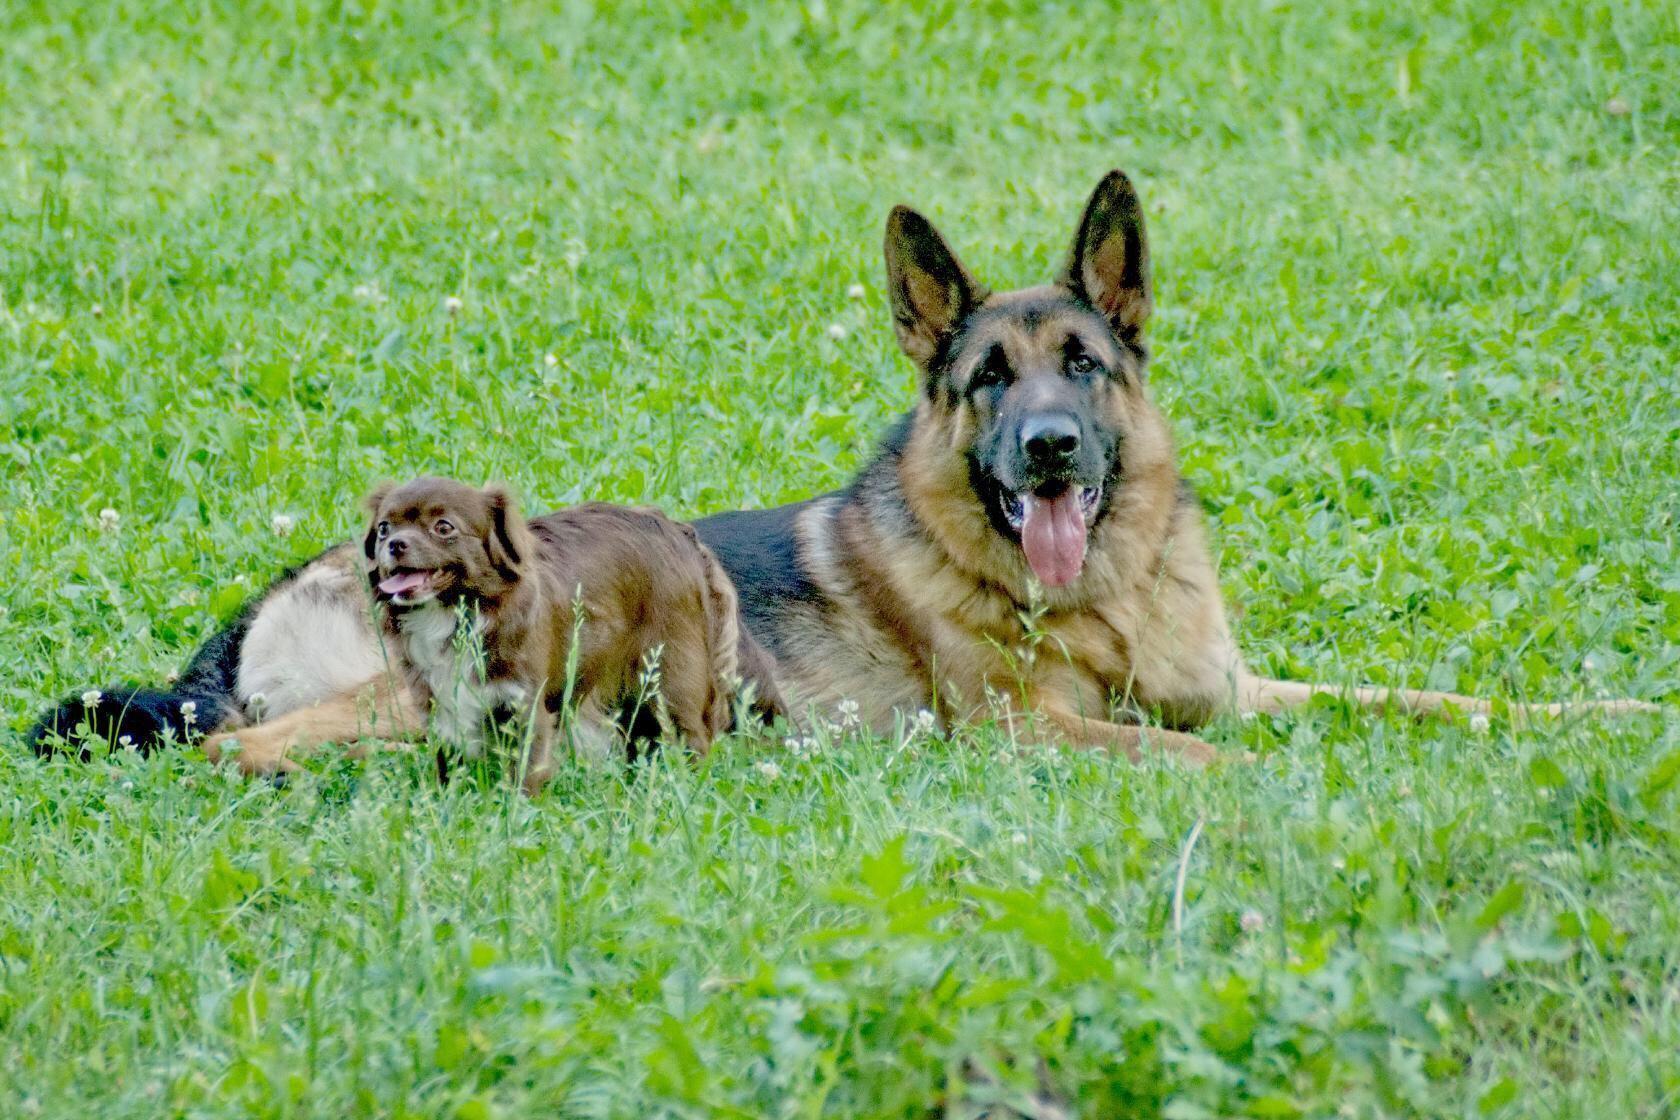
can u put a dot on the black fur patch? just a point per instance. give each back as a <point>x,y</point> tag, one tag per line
<point>142,715</point>
<point>760,551</point>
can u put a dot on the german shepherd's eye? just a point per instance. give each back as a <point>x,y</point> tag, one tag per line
<point>992,372</point>
<point>384,529</point>
<point>1080,362</point>
<point>443,528</point>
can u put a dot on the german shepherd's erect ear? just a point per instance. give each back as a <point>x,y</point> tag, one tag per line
<point>931,291</point>
<point>1110,263</point>
<point>509,542</point>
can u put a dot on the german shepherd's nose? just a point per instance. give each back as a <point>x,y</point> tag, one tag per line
<point>1050,440</point>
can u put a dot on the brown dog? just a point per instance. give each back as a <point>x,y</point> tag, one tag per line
<point>613,610</point>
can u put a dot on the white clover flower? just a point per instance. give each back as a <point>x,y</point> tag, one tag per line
<point>257,705</point>
<point>173,675</point>
<point>1480,723</point>
<point>769,771</point>
<point>189,711</point>
<point>453,305</point>
<point>92,697</point>
<point>109,520</point>
<point>282,524</point>
<point>550,361</point>
<point>1018,838</point>
<point>836,331</point>
<point>856,291</point>
<point>924,724</point>
<point>1616,107</point>
<point>1591,664</point>
<point>368,293</point>
<point>1252,921</point>
<point>848,712</point>
<point>97,310</point>
<point>126,742</point>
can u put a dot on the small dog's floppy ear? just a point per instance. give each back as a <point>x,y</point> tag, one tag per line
<point>1110,263</point>
<point>510,543</point>
<point>930,290</point>
<point>375,499</point>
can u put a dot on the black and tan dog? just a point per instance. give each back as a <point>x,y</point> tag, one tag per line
<point>500,621</point>
<point>1022,546</point>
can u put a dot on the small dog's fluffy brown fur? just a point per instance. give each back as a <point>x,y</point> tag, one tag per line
<point>485,607</point>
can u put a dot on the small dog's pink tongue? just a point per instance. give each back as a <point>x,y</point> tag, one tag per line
<point>402,582</point>
<point>1053,537</point>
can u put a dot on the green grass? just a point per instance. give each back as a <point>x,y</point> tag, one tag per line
<point>1419,287</point>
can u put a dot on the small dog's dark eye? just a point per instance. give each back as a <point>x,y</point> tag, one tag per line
<point>384,529</point>
<point>443,528</point>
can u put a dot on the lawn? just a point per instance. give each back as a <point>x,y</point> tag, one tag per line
<point>1418,335</point>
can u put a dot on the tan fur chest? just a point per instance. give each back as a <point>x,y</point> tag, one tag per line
<point>1082,659</point>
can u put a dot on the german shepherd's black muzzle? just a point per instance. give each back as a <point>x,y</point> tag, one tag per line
<point>1050,441</point>
<point>1045,471</point>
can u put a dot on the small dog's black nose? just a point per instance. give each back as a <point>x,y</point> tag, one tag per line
<point>395,547</point>
<point>1050,437</point>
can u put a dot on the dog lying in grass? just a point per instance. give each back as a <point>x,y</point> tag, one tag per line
<point>499,621</point>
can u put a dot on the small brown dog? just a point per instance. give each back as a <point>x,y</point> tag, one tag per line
<point>620,612</point>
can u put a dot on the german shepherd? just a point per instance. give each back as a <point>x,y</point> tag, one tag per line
<point>1022,546</point>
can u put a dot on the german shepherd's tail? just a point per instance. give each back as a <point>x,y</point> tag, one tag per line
<point>199,702</point>
<point>740,666</point>
<point>1267,696</point>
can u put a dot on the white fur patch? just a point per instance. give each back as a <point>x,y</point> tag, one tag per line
<point>310,641</point>
<point>453,668</point>
<point>596,739</point>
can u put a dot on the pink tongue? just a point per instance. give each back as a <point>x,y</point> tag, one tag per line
<point>402,582</point>
<point>1053,537</point>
